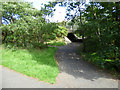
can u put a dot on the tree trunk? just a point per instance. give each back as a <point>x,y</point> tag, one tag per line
<point>82,30</point>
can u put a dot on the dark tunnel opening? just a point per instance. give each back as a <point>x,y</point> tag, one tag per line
<point>73,38</point>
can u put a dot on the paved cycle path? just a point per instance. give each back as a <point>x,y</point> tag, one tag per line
<point>74,73</point>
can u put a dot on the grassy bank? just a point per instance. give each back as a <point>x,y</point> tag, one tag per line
<point>57,42</point>
<point>37,63</point>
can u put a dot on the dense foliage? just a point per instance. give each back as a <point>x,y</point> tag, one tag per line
<point>102,33</point>
<point>99,26</point>
<point>26,26</point>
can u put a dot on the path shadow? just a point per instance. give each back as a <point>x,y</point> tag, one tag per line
<point>71,63</point>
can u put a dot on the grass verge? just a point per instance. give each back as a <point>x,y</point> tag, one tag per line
<point>57,42</point>
<point>37,63</point>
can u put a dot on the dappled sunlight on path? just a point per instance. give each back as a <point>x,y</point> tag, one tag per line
<point>77,73</point>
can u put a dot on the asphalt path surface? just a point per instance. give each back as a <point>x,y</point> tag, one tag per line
<point>74,73</point>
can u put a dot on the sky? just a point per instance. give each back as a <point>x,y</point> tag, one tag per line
<point>59,14</point>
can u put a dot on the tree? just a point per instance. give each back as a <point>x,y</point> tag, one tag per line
<point>102,32</point>
<point>99,27</point>
<point>11,11</point>
<point>26,26</point>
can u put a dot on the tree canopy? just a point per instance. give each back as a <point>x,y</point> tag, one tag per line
<point>99,24</point>
<point>26,26</point>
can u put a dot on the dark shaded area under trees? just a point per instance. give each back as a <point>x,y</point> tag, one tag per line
<point>73,38</point>
<point>99,26</point>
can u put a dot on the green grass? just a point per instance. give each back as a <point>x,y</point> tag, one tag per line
<point>57,42</point>
<point>35,63</point>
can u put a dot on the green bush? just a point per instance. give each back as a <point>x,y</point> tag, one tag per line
<point>61,31</point>
<point>90,47</point>
<point>29,29</point>
<point>27,32</point>
<point>102,39</point>
<point>30,32</point>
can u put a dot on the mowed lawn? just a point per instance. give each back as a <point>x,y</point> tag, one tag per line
<point>37,63</point>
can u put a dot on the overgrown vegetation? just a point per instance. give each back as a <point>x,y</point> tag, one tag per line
<point>99,26</point>
<point>29,29</point>
<point>102,34</point>
<point>56,42</point>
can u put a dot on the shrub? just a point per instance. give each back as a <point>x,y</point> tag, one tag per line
<point>60,31</point>
<point>30,32</point>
